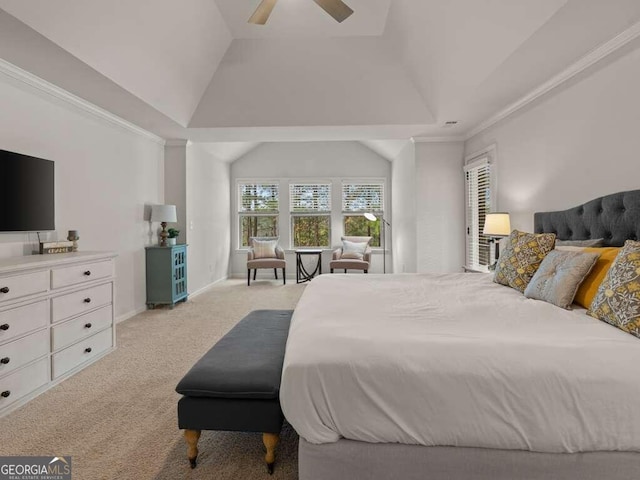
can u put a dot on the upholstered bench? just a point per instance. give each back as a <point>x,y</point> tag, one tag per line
<point>235,386</point>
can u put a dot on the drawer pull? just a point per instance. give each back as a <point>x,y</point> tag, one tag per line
<point>4,290</point>
<point>87,273</point>
<point>4,327</point>
<point>87,300</point>
<point>87,350</point>
<point>87,325</point>
<point>5,394</point>
<point>5,360</point>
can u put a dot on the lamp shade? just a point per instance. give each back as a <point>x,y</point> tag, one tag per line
<point>370,216</point>
<point>497,224</point>
<point>164,213</point>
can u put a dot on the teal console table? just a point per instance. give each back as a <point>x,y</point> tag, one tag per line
<point>166,275</point>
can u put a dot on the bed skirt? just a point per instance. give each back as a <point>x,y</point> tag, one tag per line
<point>348,460</point>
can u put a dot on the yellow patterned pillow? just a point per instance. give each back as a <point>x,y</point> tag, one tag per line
<point>522,257</point>
<point>618,299</point>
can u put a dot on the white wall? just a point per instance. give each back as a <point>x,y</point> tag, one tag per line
<point>440,207</point>
<point>300,160</point>
<point>577,143</point>
<point>105,177</point>
<point>403,207</point>
<point>208,217</point>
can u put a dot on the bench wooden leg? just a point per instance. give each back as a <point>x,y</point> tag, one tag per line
<point>192,437</point>
<point>270,441</point>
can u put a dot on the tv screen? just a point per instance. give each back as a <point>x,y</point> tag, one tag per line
<point>26,193</point>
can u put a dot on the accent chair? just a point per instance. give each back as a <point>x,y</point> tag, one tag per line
<point>348,261</point>
<point>264,252</point>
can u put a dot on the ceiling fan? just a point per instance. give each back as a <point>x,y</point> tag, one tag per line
<point>339,10</point>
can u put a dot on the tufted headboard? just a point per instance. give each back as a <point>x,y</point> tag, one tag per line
<point>616,218</point>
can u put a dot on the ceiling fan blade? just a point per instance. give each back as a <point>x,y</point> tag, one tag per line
<point>261,15</point>
<point>336,8</point>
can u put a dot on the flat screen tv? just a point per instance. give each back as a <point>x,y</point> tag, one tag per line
<point>26,193</point>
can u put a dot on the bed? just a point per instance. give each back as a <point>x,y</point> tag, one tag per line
<point>455,377</point>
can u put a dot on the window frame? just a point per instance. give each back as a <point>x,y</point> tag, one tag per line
<point>352,213</point>
<point>481,159</point>
<point>241,214</point>
<point>310,212</point>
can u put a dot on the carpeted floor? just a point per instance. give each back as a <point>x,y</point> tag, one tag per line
<point>117,418</point>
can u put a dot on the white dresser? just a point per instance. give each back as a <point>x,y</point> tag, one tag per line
<point>56,317</point>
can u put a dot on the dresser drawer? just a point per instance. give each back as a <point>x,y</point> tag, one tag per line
<point>66,333</point>
<point>16,321</point>
<point>23,381</point>
<point>77,274</point>
<point>81,352</point>
<point>15,354</point>
<point>18,286</point>
<point>79,302</point>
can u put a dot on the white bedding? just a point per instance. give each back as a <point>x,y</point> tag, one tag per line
<point>456,360</point>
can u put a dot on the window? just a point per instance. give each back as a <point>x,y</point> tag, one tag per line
<point>478,203</point>
<point>310,207</point>
<point>357,199</point>
<point>258,207</point>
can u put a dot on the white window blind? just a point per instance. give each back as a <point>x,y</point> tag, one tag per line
<point>310,197</point>
<point>258,198</point>
<point>478,204</point>
<point>362,197</point>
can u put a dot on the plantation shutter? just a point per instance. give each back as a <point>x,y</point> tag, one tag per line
<point>362,197</point>
<point>478,203</point>
<point>258,198</point>
<point>310,197</point>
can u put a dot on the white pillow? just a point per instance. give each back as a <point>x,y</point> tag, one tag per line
<point>264,248</point>
<point>353,250</point>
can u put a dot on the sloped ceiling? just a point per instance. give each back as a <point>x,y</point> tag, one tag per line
<point>394,69</point>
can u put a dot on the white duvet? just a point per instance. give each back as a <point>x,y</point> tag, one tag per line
<point>456,360</point>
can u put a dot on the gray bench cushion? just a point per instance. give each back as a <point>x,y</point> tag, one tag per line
<point>245,363</point>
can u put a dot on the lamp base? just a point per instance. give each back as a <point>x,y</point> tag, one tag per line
<point>163,234</point>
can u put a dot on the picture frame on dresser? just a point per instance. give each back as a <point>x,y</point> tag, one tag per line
<point>56,318</point>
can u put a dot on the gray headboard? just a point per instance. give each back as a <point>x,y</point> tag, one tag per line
<point>616,218</point>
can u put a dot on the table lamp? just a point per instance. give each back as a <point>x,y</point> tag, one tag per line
<point>497,225</point>
<point>164,214</point>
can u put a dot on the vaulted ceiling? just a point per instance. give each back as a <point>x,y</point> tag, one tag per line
<point>394,69</point>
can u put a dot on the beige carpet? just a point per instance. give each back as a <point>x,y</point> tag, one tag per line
<point>117,418</point>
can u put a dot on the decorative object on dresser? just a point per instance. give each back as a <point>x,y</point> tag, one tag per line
<point>496,225</point>
<point>166,275</point>
<point>73,236</point>
<point>173,236</point>
<point>55,247</point>
<point>56,317</point>
<point>372,218</point>
<point>164,214</point>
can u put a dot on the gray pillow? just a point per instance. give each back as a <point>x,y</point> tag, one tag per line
<point>592,242</point>
<point>559,276</point>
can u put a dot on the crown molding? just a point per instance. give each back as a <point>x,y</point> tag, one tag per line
<point>581,65</point>
<point>17,73</point>
<point>177,142</point>
<point>452,139</point>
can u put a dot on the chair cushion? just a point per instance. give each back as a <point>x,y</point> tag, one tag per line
<point>264,248</point>
<point>353,250</point>
<point>350,264</point>
<point>245,363</point>
<point>267,263</point>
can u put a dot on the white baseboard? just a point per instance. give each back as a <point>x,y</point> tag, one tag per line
<point>130,314</point>
<point>206,288</point>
